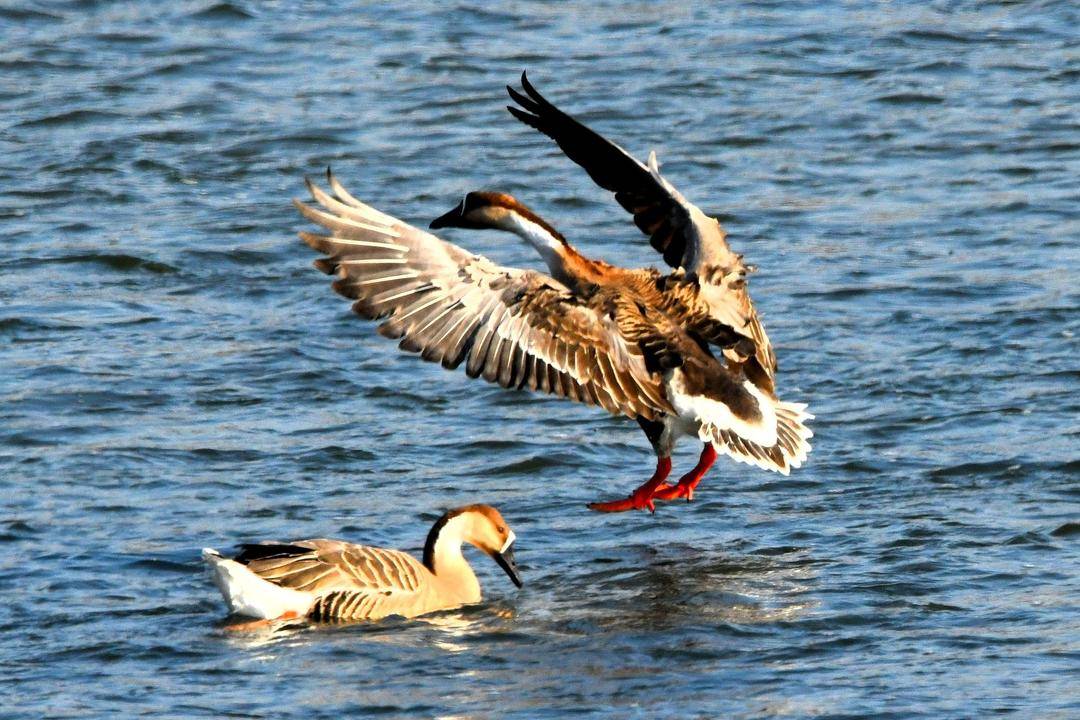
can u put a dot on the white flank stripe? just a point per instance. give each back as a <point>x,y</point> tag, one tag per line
<point>706,410</point>
<point>248,594</point>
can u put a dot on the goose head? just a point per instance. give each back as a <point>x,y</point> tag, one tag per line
<point>479,525</point>
<point>485,210</point>
<point>489,210</point>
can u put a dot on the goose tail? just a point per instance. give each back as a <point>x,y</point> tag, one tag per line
<point>248,594</point>
<point>789,451</point>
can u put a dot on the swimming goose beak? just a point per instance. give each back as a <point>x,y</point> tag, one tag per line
<point>454,218</point>
<point>505,558</point>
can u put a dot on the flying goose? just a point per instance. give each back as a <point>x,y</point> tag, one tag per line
<point>678,303</point>
<point>332,580</point>
<point>691,242</point>
<point>707,291</point>
<point>636,343</point>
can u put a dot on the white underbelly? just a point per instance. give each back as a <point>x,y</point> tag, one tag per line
<point>695,411</point>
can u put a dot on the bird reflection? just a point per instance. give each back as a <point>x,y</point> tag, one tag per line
<point>446,630</point>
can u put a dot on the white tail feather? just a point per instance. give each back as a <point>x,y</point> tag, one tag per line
<point>789,451</point>
<point>248,594</point>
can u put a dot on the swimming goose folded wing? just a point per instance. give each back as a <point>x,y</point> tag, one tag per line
<point>687,238</point>
<point>517,328</point>
<point>345,580</point>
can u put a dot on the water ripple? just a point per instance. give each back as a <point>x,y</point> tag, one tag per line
<point>174,375</point>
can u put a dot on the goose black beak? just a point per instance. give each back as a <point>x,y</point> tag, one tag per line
<point>507,563</point>
<point>450,219</point>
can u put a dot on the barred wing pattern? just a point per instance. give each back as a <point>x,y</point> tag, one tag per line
<point>685,236</point>
<point>349,581</point>
<point>513,327</point>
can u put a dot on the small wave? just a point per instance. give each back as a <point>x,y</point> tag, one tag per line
<point>227,455</point>
<point>23,14</point>
<point>16,324</point>
<point>910,99</point>
<point>15,530</point>
<point>38,64</point>
<point>72,117</point>
<point>1018,171</point>
<point>335,454</point>
<point>126,37</point>
<point>238,256</point>
<point>939,607</point>
<point>939,66</point>
<point>995,469</point>
<point>223,11</point>
<point>160,565</point>
<point>113,261</point>
<point>1069,529</point>
<point>935,36</point>
<point>740,141</point>
<point>1031,538</point>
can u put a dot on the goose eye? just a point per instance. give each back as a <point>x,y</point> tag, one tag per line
<point>500,529</point>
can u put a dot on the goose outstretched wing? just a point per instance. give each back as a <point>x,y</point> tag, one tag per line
<point>687,238</point>
<point>517,328</point>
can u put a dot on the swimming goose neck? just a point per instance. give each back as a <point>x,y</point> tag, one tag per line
<point>443,556</point>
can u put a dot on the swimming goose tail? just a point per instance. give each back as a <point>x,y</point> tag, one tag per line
<point>248,594</point>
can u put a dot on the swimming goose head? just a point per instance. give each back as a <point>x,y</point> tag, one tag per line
<point>479,525</point>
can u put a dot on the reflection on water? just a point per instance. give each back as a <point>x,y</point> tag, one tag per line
<point>444,630</point>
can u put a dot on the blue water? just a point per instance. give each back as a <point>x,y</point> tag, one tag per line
<point>174,374</point>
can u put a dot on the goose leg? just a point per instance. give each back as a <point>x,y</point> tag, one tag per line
<point>689,481</point>
<point>642,498</point>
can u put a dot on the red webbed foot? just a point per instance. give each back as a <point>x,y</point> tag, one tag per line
<point>688,482</point>
<point>674,492</point>
<point>637,501</point>
<point>642,498</point>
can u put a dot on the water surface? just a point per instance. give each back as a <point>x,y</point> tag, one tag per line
<point>174,374</point>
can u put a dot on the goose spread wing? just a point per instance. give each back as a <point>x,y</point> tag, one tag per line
<point>686,237</point>
<point>517,328</point>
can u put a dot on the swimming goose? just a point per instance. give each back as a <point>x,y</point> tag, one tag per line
<point>599,344</point>
<point>332,580</point>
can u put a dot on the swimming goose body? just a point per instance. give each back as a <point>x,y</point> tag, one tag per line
<point>336,580</point>
<point>634,342</point>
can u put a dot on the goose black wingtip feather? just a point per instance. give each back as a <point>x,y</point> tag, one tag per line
<point>531,120</point>
<point>533,93</point>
